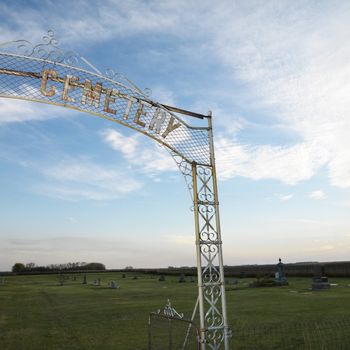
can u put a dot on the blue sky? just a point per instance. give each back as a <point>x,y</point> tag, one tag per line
<point>276,76</point>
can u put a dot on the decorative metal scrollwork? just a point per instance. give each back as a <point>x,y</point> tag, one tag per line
<point>169,311</point>
<point>186,170</point>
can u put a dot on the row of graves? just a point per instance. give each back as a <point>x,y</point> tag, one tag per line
<point>319,280</point>
<point>182,278</point>
<point>63,278</point>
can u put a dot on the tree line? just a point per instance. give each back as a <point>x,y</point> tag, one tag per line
<point>71,266</point>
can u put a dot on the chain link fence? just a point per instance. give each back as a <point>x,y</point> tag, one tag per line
<point>327,334</point>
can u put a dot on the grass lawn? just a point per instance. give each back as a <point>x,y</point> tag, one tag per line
<point>37,313</point>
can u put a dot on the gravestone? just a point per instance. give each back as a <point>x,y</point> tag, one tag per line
<point>61,279</point>
<point>234,281</point>
<point>114,285</point>
<point>135,278</point>
<point>84,280</point>
<point>319,281</point>
<point>123,275</point>
<point>192,279</point>
<point>280,277</point>
<point>2,281</point>
<point>182,278</point>
<point>99,281</point>
<point>161,278</point>
<point>74,278</point>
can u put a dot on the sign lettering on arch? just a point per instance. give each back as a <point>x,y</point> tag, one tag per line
<point>49,79</point>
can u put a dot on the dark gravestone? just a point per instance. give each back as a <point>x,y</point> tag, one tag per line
<point>135,278</point>
<point>319,281</point>
<point>280,277</point>
<point>161,278</point>
<point>84,280</point>
<point>61,279</point>
<point>74,278</point>
<point>182,278</point>
<point>123,275</point>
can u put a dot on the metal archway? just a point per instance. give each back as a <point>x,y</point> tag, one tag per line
<point>44,73</point>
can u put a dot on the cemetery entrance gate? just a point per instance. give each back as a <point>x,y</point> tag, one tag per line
<point>44,73</point>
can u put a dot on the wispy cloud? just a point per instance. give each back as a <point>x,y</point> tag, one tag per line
<point>76,179</point>
<point>285,197</point>
<point>151,160</point>
<point>181,239</point>
<point>287,164</point>
<point>16,111</point>
<point>318,194</point>
<point>80,247</point>
<point>83,23</point>
<point>293,59</point>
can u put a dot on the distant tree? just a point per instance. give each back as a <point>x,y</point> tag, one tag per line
<point>18,267</point>
<point>30,266</point>
<point>94,266</point>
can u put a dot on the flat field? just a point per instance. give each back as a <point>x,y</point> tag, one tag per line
<point>36,313</point>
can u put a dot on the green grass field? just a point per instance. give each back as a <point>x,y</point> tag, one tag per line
<point>37,313</point>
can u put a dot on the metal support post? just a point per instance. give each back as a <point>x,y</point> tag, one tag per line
<point>211,279</point>
<point>227,331</point>
<point>199,259</point>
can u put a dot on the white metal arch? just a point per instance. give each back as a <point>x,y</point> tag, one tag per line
<point>44,73</point>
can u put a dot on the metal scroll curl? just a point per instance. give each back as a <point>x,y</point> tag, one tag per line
<point>48,49</point>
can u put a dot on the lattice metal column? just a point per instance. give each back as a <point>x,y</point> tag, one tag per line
<point>211,282</point>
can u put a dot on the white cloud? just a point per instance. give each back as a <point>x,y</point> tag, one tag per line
<point>84,24</point>
<point>75,179</point>
<point>285,197</point>
<point>181,239</point>
<point>318,194</point>
<point>15,111</point>
<point>293,58</point>
<point>151,160</point>
<point>286,164</point>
